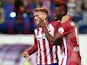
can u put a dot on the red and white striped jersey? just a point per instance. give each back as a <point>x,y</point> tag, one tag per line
<point>70,46</point>
<point>47,54</point>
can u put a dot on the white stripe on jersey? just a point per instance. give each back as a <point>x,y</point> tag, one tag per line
<point>47,52</point>
<point>54,54</point>
<point>76,33</point>
<point>51,29</point>
<point>60,55</point>
<point>36,32</point>
<point>42,47</point>
<point>42,52</point>
<point>66,52</point>
<point>38,59</point>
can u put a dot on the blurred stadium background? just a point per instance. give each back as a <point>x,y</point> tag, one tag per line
<point>17,26</point>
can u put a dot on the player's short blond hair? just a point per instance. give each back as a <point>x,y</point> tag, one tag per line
<point>41,10</point>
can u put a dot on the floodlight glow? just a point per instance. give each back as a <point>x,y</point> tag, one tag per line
<point>24,15</point>
<point>12,14</point>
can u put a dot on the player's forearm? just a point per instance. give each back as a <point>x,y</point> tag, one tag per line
<point>32,50</point>
<point>54,40</point>
<point>49,37</point>
<point>57,39</point>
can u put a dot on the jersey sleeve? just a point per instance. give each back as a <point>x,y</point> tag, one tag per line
<point>34,47</point>
<point>64,29</point>
<point>56,25</point>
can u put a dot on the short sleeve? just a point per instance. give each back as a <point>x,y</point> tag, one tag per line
<point>56,25</point>
<point>64,29</point>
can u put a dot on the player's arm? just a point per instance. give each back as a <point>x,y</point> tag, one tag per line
<point>64,29</point>
<point>51,39</point>
<point>27,53</point>
<point>33,49</point>
<point>60,32</point>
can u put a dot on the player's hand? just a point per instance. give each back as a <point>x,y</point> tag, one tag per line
<point>41,20</point>
<point>25,54</point>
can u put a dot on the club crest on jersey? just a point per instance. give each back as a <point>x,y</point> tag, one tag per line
<point>61,30</point>
<point>76,49</point>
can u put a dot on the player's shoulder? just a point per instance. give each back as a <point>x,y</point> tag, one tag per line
<point>72,24</point>
<point>69,23</point>
<point>55,23</point>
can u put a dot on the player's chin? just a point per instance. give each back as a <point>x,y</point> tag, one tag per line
<point>38,25</point>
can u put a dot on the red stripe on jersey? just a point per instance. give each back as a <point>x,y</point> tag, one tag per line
<point>40,54</point>
<point>39,46</point>
<point>45,51</point>
<point>57,54</point>
<point>51,55</point>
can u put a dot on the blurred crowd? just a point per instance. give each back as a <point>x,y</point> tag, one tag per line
<point>16,16</point>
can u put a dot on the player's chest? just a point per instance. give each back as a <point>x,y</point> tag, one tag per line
<point>40,33</point>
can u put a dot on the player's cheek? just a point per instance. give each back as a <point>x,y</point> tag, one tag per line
<point>36,20</point>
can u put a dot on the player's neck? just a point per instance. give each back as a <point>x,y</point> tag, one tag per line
<point>65,18</point>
